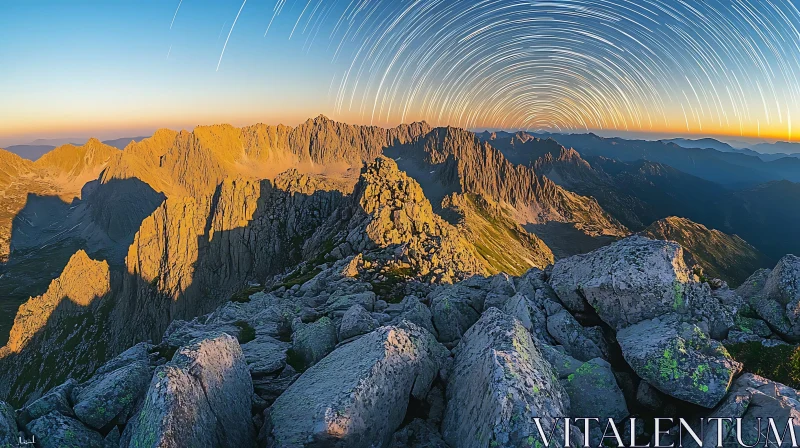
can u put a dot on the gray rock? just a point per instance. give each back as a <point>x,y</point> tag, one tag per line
<point>417,434</point>
<point>181,333</point>
<point>312,342</point>
<point>593,392</point>
<point>778,302</point>
<point>112,396</point>
<point>499,383</point>
<point>269,388</point>
<point>415,311</point>
<point>570,334</point>
<point>502,284</point>
<point>678,359</point>
<point>517,306</point>
<point>265,355</point>
<point>754,284</point>
<point>648,396</point>
<point>452,315</point>
<point>355,322</point>
<point>57,431</point>
<point>338,303</point>
<point>751,398</point>
<point>563,364</point>
<point>113,437</point>
<point>201,398</point>
<point>626,282</point>
<point>357,396</point>
<point>55,400</point>
<point>141,352</point>
<point>9,432</point>
<point>495,300</point>
<point>752,326</point>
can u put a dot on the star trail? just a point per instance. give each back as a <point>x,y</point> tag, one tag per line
<point>650,68</point>
<point>727,66</point>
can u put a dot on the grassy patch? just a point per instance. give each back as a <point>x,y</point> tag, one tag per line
<point>243,296</point>
<point>780,363</point>
<point>389,289</point>
<point>247,333</point>
<point>298,277</point>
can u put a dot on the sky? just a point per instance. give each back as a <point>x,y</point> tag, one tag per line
<point>629,67</point>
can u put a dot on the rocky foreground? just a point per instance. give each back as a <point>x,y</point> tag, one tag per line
<point>627,330</point>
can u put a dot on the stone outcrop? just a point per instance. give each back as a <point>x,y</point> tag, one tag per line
<point>9,433</point>
<point>499,383</point>
<point>679,359</point>
<point>752,398</point>
<point>357,396</point>
<point>55,430</point>
<point>626,282</point>
<point>778,300</point>
<point>200,398</point>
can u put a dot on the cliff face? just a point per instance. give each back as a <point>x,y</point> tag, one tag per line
<point>60,333</point>
<point>471,166</point>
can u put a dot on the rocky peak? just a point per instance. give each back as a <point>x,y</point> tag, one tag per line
<point>75,161</point>
<point>82,281</point>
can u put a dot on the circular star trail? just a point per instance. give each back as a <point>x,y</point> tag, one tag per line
<point>727,66</point>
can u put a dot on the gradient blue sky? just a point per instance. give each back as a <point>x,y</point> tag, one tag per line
<point>658,67</point>
<point>103,67</point>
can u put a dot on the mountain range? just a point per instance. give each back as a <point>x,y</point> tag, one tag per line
<point>36,149</point>
<point>104,248</point>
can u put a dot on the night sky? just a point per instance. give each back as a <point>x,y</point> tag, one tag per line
<point>712,67</point>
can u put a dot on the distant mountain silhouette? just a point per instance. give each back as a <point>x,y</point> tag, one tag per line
<point>30,152</point>
<point>777,148</point>
<point>38,148</point>
<point>732,170</point>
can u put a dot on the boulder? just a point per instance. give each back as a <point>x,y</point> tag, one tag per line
<point>55,400</point>
<point>518,307</point>
<point>141,352</point>
<point>626,282</point>
<point>312,342</point>
<point>112,396</point>
<point>357,396</point>
<point>58,431</point>
<point>338,303</point>
<point>570,334</point>
<point>201,398</point>
<point>9,433</point>
<point>418,434</point>
<point>265,355</point>
<point>593,392</point>
<point>503,284</point>
<point>778,302</point>
<point>269,388</point>
<point>355,322</point>
<point>678,359</point>
<point>752,398</point>
<point>563,364</point>
<point>452,315</point>
<point>648,396</point>
<point>498,384</point>
<point>415,311</point>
